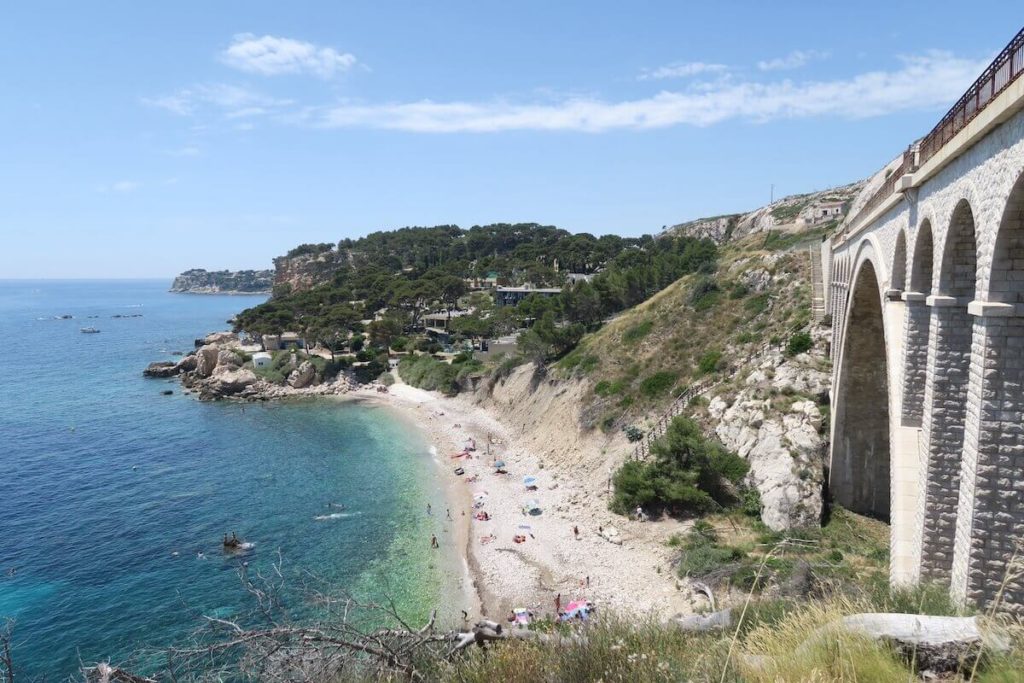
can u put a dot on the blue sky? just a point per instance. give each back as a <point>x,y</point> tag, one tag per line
<point>138,140</point>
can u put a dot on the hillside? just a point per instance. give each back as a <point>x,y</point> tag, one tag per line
<point>818,211</point>
<point>743,332</point>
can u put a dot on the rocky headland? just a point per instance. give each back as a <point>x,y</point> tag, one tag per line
<point>199,281</point>
<point>221,368</point>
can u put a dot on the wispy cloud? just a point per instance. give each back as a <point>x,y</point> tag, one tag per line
<point>232,100</point>
<point>794,60</point>
<point>925,81</point>
<point>273,56</point>
<point>680,70</point>
<point>917,82</point>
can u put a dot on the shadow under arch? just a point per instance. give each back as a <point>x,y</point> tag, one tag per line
<point>991,508</point>
<point>859,473</point>
<point>917,328</point>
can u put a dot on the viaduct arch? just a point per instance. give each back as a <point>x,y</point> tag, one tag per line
<point>927,306</point>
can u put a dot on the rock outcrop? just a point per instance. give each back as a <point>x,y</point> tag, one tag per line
<point>199,281</point>
<point>218,369</point>
<point>774,420</point>
<point>795,213</point>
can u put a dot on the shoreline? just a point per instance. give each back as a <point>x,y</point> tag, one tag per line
<point>613,561</point>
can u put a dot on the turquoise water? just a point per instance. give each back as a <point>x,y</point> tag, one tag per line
<point>109,490</point>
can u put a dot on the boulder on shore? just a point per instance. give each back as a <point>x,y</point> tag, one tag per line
<point>206,360</point>
<point>302,376</point>
<point>227,383</point>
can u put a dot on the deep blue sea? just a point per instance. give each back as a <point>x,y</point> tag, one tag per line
<point>109,491</point>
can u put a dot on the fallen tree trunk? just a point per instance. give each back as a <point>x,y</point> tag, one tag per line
<point>490,631</point>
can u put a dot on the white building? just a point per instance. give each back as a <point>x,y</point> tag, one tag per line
<point>261,359</point>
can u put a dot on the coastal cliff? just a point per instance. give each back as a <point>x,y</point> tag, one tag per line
<point>200,281</point>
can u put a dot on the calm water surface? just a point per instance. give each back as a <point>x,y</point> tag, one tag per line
<point>109,491</point>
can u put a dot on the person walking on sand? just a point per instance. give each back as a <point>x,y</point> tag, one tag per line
<point>433,541</point>
<point>576,532</point>
<point>428,509</point>
<point>448,512</point>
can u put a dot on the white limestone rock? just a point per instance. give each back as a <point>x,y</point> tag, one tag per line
<point>206,360</point>
<point>302,376</point>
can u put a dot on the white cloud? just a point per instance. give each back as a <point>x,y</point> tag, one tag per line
<point>234,101</point>
<point>680,70</point>
<point>927,81</point>
<point>794,60</point>
<point>272,56</point>
<point>921,82</point>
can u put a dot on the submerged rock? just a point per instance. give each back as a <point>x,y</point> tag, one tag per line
<point>161,368</point>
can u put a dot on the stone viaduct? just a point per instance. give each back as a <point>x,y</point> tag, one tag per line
<point>925,289</point>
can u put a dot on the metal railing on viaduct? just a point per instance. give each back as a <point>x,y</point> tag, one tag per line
<point>1006,68</point>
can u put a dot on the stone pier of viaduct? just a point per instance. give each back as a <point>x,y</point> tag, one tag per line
<point>925,289</point>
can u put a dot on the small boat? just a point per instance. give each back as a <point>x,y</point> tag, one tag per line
<point>459,471</point>
<point>89,330</point>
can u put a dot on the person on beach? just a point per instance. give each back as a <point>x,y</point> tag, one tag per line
<point>433,541</point>
<point>448,512</point>
<point>558,604</point>
<point>576,532</point>
<point>428,509</point>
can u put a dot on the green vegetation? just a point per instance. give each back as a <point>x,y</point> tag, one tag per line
<point>689,330</point>
<point>428,373</point>
<point>799,343</point>
<point>657,384</point>
<point>687,474</point>
<point>709,362</point>
<point>637,332</point>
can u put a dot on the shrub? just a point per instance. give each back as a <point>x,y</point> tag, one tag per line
<point>585,362</point>
<point>799,343</point>
<point>506,366</point>
<point>738,291</point>
<point>387,379</point>
<point>688,473</point>
<point>430,374</point>
<point>604,388</point>
<point>704,294</point>
<point>702,554</point>
<point>657,384</point>
<point>637,332</point>
<point>757,304</point>
<point>633,433</point>
<point>709,361</point>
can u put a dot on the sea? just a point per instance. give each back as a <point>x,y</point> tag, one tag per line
<point>114,498</point>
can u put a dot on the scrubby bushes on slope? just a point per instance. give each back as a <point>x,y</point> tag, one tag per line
<point>688,473</point>
<point>428,373</point>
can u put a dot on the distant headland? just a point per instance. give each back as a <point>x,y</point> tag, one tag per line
<point>200,281</point>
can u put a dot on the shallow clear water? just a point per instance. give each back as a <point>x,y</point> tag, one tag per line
<point>110,490</point>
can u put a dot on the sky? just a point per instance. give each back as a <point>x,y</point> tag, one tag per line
<point>143,139</point>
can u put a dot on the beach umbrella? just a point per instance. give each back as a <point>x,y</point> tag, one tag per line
<point>499,463</point>
<point>480,496</point>
<point>530,481</point>
<point>532,507</point>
